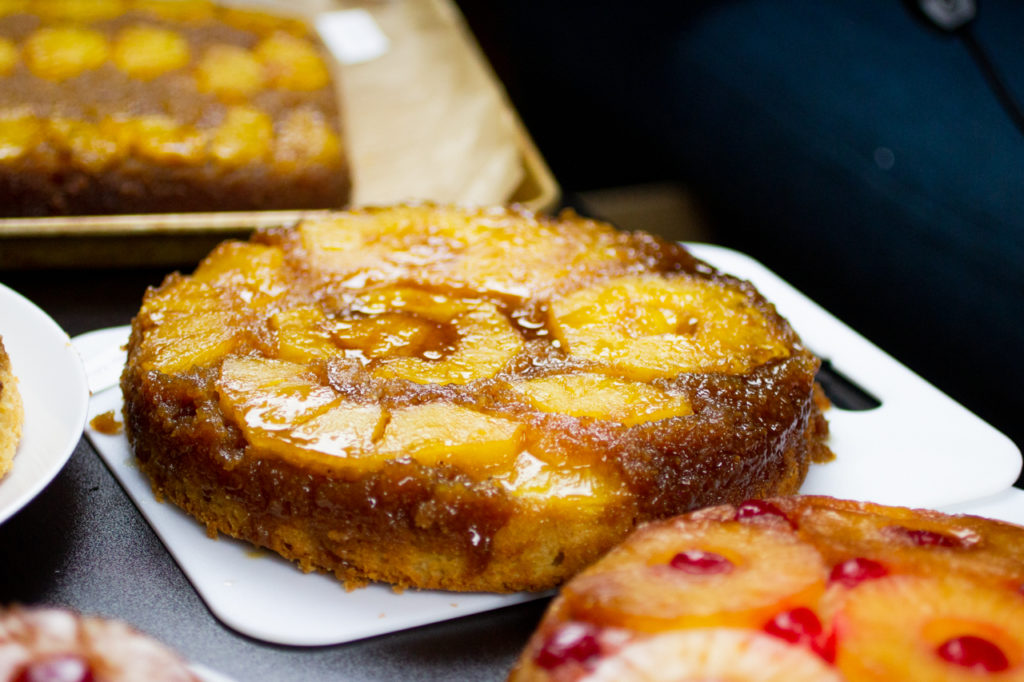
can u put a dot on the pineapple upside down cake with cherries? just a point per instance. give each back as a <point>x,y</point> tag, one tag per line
<point>462,399</point>
<point>791,589</point>
<point>51,644</point>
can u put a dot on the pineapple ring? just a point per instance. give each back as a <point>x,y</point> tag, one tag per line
<point>476,339</point>
<point>713,654</point>
<point>253,271</point>
<point>191,322</point>
<point>487,251</point>
<point>405,242</point>
<point>873,643</point>
<point>279,406</point>
<point>602,397</point>
<point>647,326</point>
<point>902,539</point>
<point>188,325</point>
<point>635,586</point>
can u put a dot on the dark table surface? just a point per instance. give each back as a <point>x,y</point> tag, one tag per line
<point>82,543</point>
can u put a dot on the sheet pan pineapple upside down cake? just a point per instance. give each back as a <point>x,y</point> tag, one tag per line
<point>459,399</point>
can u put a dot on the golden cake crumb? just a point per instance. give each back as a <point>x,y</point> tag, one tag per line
<point>11,412</point>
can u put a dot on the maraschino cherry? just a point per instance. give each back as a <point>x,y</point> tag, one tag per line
<point>571,642</point>
<point>974,653</point>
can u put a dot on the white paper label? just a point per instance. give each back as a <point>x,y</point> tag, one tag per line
<point>352,35</point>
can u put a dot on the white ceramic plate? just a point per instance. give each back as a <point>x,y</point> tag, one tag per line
<point>53,388</point>
<point>918,448</point>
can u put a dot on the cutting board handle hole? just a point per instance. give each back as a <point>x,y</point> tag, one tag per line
<point>844,392</point>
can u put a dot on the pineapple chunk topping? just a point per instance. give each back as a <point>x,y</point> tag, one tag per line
<point>647,326</point>
<point>20,132</point>
<point>355,242</point>
<point>580,487</point>
<point>62,52</point>
<point>145,52</point>
<point>271,395</point>
<point>292,63</point>
<point>93,146</point>
<point>189,339</point>
<point>230,72</point>
<point>305,137</point>
<point>303,334</point>
<point>244,137</point>
<point>188,325</point>
<point>161,139</point>
<point>8,56</point>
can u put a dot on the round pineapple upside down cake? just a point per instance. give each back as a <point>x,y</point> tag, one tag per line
<point>49,644</point>
<point>461,399</point>
<point>792,589</point>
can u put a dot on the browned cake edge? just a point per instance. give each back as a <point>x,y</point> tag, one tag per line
<point>390,526</point>
<point>143,187</point>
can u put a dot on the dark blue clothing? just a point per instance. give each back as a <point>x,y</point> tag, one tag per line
<point>850,147</point>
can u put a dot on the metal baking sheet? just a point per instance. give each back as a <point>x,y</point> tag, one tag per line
<point>433,60</point>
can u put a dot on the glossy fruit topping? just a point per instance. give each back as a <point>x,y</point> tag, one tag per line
<point>975,653</point>
<point>571,642</point>
<point>66,668</point>
<point>699,562</point>
<point>926,538</point>
<point>754,508</point>
<point>725,575</point>
<point>852,572</point>
<point>912,627</point>
<point>802,626</point>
